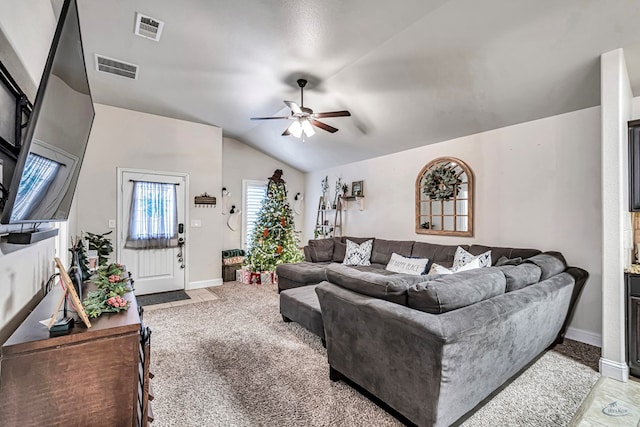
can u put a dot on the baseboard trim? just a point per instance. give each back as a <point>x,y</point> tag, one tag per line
<point>586,337</point>
<point>204,284</point>
<point>615,370</point>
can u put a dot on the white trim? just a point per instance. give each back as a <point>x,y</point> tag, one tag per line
<point>586,337</point>
<point>615,370</point>
<point>204,284</point>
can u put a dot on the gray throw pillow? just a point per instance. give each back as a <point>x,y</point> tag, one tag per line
<point>506,261</point>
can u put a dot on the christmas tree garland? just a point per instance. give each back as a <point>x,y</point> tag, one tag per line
<point>274,240</point>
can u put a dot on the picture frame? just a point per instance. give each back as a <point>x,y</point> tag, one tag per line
<point>357,188</point>
<point>69,289</point>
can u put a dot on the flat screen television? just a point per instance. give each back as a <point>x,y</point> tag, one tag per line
<point>47,168</point>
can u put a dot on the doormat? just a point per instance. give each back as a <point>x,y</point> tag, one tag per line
<point>162,297</point>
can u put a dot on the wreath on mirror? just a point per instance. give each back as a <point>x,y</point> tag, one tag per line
<point>441,182</point>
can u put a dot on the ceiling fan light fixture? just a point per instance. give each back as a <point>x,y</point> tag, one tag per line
<point>296,129</point>
<point>307,128</point>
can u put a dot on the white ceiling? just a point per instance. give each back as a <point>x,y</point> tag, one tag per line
<point>412,72</point>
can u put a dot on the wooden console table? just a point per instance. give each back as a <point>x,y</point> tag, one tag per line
<point>97,376</point>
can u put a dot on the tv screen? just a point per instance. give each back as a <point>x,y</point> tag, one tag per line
<point>56,138</point>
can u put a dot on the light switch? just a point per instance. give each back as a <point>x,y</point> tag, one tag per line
<point>196,223</point>
<point>112,223</point>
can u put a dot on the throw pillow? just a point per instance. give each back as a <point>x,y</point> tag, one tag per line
<point>358,254</point>
<point>463,257</point>
<point>438,269</point>
<point>401,264</point>
<point>503,260</point>
<point>471,265</point>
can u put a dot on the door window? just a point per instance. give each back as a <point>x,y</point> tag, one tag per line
<point>153,221</point>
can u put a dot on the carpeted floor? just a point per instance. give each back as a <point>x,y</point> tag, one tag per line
<point>233,362</point>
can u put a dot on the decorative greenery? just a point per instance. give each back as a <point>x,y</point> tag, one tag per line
<point>274,239</point>
<point>425,225</point>
<point>338,188</point>
<point>112,283</point>
<point>345,189</point>
<point>102,244</point>
<point>81,252</point>
<point>441,182</point>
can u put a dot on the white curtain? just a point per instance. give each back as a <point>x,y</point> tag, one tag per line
<point>39,173</point>
<point>153,220</point>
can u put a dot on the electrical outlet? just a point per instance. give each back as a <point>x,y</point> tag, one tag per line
<point>112,223</point>
<point>196,223</point>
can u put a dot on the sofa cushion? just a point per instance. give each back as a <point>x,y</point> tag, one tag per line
<point>407,265</point>
<point>381,284</point>
<point>303,272</point>
<point>520,276</point>
<point>339,249</point>
<point>551,263</point>
<point>321,250</point>
<point>450,292</point>
<point>441,254</point>
<point>358,254</point>
<point>498,252</point>
<point>382,249</point>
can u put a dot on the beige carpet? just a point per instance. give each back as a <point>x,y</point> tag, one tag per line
<point>233,362</point>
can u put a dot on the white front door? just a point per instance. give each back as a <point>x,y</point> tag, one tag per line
<point>153,270</point>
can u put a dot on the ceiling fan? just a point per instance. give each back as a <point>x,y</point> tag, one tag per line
<point>304,118</point>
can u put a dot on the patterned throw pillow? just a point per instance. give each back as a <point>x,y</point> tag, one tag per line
<point>463,257</point>
<point>400,264</point>
<point>471,265</point>
<point>358,254</point>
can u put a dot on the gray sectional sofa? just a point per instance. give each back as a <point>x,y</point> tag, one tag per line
<point>431,347</point>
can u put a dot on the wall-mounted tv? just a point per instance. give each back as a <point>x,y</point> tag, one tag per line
<point>56,137</point>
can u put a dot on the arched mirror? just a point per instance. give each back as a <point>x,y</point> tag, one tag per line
<point>444,198</point>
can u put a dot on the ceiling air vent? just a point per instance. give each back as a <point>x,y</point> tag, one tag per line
<point>114,66</point>
<point>148,27</point>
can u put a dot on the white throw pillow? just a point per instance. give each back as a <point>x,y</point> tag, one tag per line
<point>401,264</point>
<point>471,265</point>
<point>438,269</point>
<point>463,257</point>
<point>358,254</point>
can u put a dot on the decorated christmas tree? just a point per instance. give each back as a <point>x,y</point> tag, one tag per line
<point>274,240</point>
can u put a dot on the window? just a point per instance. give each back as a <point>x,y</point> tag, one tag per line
<point>39,173</point>
<point>253,193</point>
<point>153,221</point>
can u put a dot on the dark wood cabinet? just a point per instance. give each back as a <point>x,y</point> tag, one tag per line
<point>633,323</point>
<point>634,166</point>
<point>97,376</point>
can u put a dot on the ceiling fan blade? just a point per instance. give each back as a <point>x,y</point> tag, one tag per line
<point>269,118</point>
<point>324,126</point>
<point>286,132</point>
<point>343,113</point>
<point>295,109</point>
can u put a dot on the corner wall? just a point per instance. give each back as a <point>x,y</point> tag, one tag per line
<point>616,100</point>
<point>130,139</point>
<point>240,161</point>
<point>537,184</point>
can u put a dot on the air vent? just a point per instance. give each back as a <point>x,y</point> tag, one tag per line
<point>148,27</point>
<point>114,66</point>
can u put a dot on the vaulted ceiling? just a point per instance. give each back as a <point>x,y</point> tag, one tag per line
<point>412,72</point>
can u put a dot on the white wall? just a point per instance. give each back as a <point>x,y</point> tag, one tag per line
<point>616,100</point>
<point>537,184</point>
<point>130,139</point>
<point>239,161</point>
